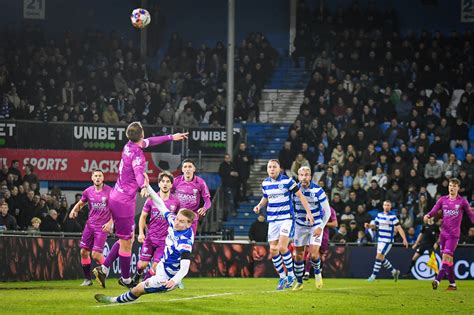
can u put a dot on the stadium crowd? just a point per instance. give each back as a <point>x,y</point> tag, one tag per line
<point>385,116</point>
<point>99,78</point>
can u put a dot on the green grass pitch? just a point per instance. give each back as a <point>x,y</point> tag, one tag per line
<point>244,296</point>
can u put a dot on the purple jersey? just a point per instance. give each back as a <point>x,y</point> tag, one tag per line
<point>158,226</point>
<point>131,169</point>
<point>189,193</point>
<point>452,214</point>
<point>98,201</point>
<point>332,218</point>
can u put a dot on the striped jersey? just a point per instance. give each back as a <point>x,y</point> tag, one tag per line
<point>279,193</point>
<point>177,243</point>
<point>386,226</point>
<point>315,196</point>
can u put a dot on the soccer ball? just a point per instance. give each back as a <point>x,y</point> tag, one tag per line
<point>140,18</point>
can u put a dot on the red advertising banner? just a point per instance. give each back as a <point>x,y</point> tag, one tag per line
<point>72,165</point>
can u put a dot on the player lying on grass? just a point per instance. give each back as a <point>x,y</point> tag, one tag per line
<point>174,265</point>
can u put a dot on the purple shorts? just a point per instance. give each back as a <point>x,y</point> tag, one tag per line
<point>448,244</point>
<point>152,249</point>
<point>123,214</point>
<point>93,239</point>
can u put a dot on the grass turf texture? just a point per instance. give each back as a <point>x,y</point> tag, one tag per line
<point>244,296</point>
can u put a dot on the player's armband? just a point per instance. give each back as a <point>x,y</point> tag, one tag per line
<point>295,189</point>
<point>186,255</point>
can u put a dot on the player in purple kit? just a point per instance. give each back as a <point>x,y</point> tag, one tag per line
<point>98,225</point>
<point>451,207</point>
<point>122,199</point>
<point>189,189</point>
<point>155,241</point>
<point>332,223</point>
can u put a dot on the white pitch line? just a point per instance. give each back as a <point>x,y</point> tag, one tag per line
<point>214,295</point>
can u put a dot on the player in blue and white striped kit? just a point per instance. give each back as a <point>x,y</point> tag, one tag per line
<point>174,265</point>
<point>278,190</point>
<point>386,225</point>
<point>309,234</point>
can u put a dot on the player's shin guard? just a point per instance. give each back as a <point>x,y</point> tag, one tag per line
<point>316,265</point>
<point>278,263</point>
<point>288,260</point>
<point>86,267</point>
<point>377,266</point>
<point>126,298</point>
<point>442,271</point>
<point>388,265</point>
<point>124,260</point>
<point>299,270</point>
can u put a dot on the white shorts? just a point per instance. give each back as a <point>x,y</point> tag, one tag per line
<point>383,248</point>
<point>304,236</point>
<point>156,284</point>
<point>277,228</point>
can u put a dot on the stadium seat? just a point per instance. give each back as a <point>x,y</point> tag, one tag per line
<point>453,104</point>
<point>384,126</point>
<point>459,153</point>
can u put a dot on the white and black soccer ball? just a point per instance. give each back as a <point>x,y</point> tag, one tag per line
<point>140,18</point>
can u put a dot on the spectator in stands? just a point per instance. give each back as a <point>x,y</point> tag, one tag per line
<point>375,196</point>
<point>380,177</point>
<point>299,162</point>
<point>361,238</point>
<point>258,230</point>
<point>468,166</point>
<point>329,179</point>
<point>322,157</point>
<point>286,156</point>
<point>167,114</point>
<point>353,232</point>
<point>361,179</point>
<point>187,119</point>
<point>469,239</point>
<point>243,161</point>
<point>341,236</point>
<point>15,164</point>
<point>361,216</point>
<point>30,176</point>
<point>459,135</point>
<point>110,116</point>
<point>7,221</point>
<point>451,166</point>
<point>433,170</point>
<point>35,225</point>
<point>50,223</point>
<point>406,220</point>
<point>395,196</point>
<point>230,183</point>
<point>341,190</point>
<point>347,179</point>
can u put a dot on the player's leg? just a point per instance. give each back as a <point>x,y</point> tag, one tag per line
<point>314,246</point>
<point>86,245</point>
<point>301,239</point>
<point>299,266</point>
<point>387,264</point>
<point>446,261</point>
<point>100,237</point>
<point>146,253</point>
<point>125,258</point>
<point>307,264</point>
<point>101,272</point>
<point>415,257</point>
<point>153,285</point>
<point>378,261</point>
<point>286,230</point>
<point>273,237</point>
<point>448,248</point>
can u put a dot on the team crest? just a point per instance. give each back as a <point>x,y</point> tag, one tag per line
<point>104,199</point>
<point>173,207</point>
<point>195,191</point>
<point>456,207</point>
<point>280,186</point>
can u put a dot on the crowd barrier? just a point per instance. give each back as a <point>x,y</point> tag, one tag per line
<point>26,258</point>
